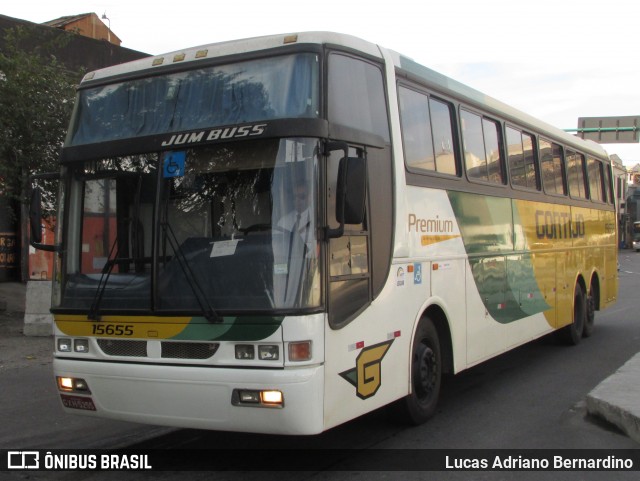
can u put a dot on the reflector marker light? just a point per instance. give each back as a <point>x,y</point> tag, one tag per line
<point>394,334</point>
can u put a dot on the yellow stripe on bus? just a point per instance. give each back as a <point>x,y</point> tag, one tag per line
<point>139,327</point>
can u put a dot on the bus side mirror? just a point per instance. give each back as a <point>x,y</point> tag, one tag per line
<point>35,216</point>
<point>350,194</point>
<point>351,190</point>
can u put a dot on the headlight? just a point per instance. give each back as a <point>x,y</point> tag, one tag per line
<point>66,344</point>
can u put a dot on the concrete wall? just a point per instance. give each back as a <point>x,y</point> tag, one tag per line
<point>38,321</point>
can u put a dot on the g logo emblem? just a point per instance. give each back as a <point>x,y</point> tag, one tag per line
<point>367,375</point>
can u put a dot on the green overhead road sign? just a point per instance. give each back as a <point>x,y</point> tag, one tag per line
<point>609,130</point>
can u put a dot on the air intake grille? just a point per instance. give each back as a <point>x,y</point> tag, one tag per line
<point>123,348</point>
<point>170,350</point>
<point>188,350</point>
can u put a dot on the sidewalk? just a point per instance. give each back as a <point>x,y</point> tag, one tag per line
<point>16,349</point>
<point>616,399</point>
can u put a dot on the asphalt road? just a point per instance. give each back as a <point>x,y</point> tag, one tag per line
<point>530,398</point>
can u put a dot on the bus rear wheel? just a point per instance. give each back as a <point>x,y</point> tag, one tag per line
<point>426,375</point>
<point>590,315</point>
<point>572,334</point>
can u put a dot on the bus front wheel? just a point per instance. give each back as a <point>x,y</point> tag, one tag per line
<point>426,375</point>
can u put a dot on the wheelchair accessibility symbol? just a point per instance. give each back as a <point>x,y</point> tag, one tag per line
<point>173,164</point>
<point>417,273</point>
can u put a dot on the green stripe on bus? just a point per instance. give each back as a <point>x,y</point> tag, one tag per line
<point>240,328</point>
<point>505,279</point>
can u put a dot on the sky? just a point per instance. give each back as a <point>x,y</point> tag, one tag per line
<point>554,59</point>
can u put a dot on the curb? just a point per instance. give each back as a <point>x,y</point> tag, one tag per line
<point>616,399</point>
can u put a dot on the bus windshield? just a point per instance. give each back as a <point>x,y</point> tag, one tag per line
<point>229,227</point>
<point>256,90</point>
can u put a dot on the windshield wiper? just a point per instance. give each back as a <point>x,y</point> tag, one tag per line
<point>94,313</point>
<point>205,306</point>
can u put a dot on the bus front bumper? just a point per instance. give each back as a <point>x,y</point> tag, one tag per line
<point>196,397</point>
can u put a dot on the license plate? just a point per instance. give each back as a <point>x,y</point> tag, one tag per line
<point>77,402</point>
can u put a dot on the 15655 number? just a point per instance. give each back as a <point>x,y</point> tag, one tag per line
<point>112,329</point>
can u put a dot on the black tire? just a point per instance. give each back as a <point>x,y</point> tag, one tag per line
<point>426,376</point>
<point>572,334</point>
<point>590,315</point>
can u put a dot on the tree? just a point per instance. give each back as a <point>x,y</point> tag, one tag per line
<point>36,98</point>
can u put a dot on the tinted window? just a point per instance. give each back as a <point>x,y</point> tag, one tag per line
<point>596,190</point>
<point>481,138</point>
<point>522,161</point>
<point>265,89</point>
<point>491,131</point>
<point>416,130</point>
<point>426,132</point>
<point>356,95</point>
<point>552,167</point>
<point>575,165</point>
<point>443,136</point>
<point>609,186</point>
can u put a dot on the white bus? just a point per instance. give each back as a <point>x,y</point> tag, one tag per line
<point>280,234</point>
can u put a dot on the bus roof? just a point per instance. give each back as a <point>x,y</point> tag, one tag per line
<point>430,78</point>
<point>234,47</point>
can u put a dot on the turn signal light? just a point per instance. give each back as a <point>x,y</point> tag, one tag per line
<point>300,351</point>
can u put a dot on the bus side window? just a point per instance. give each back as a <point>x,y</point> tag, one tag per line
<point>356,95</point>
<point>427,134</point>
<point>482,153</point>
<point>594,169</point>
<point>522,159</point>
<point>416,130</point>
<point>552,166</point>
<point>575,164</point>
<point>610,188</point>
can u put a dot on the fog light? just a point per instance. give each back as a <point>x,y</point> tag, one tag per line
<point>65,383</point>
<point>300,351</point>
<point>73,384</point>
<point>257,399</point>
<point>81,345</point>
<point>271,397</point>
<point>268,353</point>
<point>65,345</point>
<point>245,351</point>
